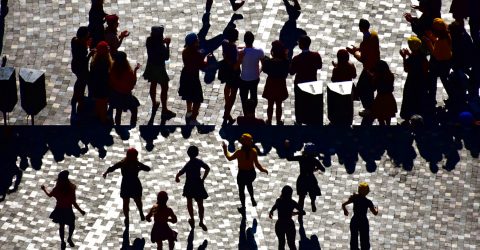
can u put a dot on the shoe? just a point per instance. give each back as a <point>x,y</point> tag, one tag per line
<point>70,242</point>
<point>228,119</point>
<point>314,208</point>
<point>280,123</point>
<point>204,228</point>
<point>168,114</point>
<point>188,116</point>
<point>364,113</point>
<point>241,210</point>
<point>254,202</point>
<point>191,222</point>
<point>63,245</point>
<point>194,122</point>
<point>236,17</point>
<point>142,217</point>
<point>268,122</point>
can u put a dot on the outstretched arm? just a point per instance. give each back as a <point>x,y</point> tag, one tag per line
<point>258,165</point>
<point>227,154</point>
<point>46,191</point>
<point>111,169</point>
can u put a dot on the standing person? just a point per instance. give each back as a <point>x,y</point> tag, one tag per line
<point>162,214</point>
<point>250,58</point>
<point>111,34</point>
<point>64,193</point>
<point>235,5</point>
<point>194,185</point>
<point>359,222</point>
<point>343,69</point>
<point>369,55</point>
<point>307,182</point>
<point>231,71</point>
<point>80,58</point>
<point>190,87</point>
<point>122,82</point>
<point>415,63</point>
<point>131,186</point>
<point>285,225</point>
<point>99,77</point>
<point>384,106</point>
<point>276,85</point>
<point>247,158</point>
<point>158,51</point>
<point>304,66</point>
<point>96,19</point>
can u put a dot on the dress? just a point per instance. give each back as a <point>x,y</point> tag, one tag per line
<point>161,231</point>
<point>131,186</point>
<point>63,212</point>
<point>384,106</point>
<point>194,187</point>
<point>99,76</point>
<point>276,84</point>
<point>307,182</point>
<point>414,90</point>
<point>121,96</point>
<point>190,87</point>
<point>155,70</point>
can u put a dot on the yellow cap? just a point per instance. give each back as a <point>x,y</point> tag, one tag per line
<point>246,138</point>
<point>414,43</point>
<point>439,24</point>
<point>363,188</point>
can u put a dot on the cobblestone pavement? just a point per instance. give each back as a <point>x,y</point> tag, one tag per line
<point>418,209</point>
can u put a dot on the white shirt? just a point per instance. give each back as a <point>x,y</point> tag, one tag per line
<point>250,66</point>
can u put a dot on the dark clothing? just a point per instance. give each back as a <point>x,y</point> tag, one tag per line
<point>246,177</point>
<point>462,49</point>
<point>305,66</point>
<point>158,53</point>
<point>361,204</point>
<point>344,72</point>
<point>131,186</point>
<point>99,79</point>
<point>63,212</point>
<point>194,187</point>
<point>161,231</point>
<point>63,216</point>
<point>414,90</point>
<point>96,18</point>
<point>432,6</point>
<point>276,84</point>
<point>364,90</point>
<point>285,225</point>
<point>190,87</point>
<point>249,121</point>
<point>246,88</point>
<point>359,221</point>
<point>384,106</point>
<point>231,74</point>
<point>306,181</point>
<point>79,56</point>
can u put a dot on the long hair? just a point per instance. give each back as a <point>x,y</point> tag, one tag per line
<point>101,58</point>
<point>65,185</point>
<point>120,65</point>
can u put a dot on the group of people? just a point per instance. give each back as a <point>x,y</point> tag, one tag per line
<point>194,189</point>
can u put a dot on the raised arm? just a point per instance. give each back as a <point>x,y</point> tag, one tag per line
<point>111,169</point>
<point>227,154</point>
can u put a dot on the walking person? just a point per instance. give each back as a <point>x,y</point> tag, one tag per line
<point>64,193</point>
<point>194,188</point>
<point>158,51</point>
<point>359,222</point>
<point>285,227</point>
<point>79,66</point>
<point>247,159</point>
<point>307,182</point>
<point>162,214</point>
<point>96,19</point>
<point>131,186</point>
<point>275,90</point>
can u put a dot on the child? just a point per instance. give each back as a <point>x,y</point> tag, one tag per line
<point>162,214</point>
<point>194,187</point>
<point>343,70</point>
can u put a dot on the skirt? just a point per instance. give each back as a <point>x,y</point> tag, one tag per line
<point>190,87</point>
<point>63,216</point>
<point>245,177</point>
<point>275,89</point>
<point>161,232</point>
<point>156,73</point>
<point>131,188</point>
<point>384,106</point>
<point>308,184</point>
<point>195,190</point>
<point>123,101</point>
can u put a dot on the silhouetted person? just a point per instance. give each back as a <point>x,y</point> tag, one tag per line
<point>343,69</point>
<point>359,222</point>
<point>64,193</point>
<point>235,5</point>
<point>191,235</point>
<point>96,19</point>
<point>131,186</point>
<point>111,33</point>
<point>247,158</point>
<point>307,182</point>
<point>99,79</point>
<point>249,119</point>
<point>304,66</point>
<point>384,106</point>
<point>289,34</point>
<point>158,51</point>
<point>369,55</point>
<point>194,188</point>
<point>415,89</point>
<point>250,59</point>
<point>246,240</point>
<point>275,90</point>
<point>79,66</point>
<point>162,214</point>
<point>305,243</point>
<point>285,227</point>
<point>230,72</point>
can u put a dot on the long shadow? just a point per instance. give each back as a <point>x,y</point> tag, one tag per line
<point>246,239</point>
<point>138,243</point>
<point>149,133</point>
<point>306,243</point>
<point>190,238</point>
<point>289,34</point>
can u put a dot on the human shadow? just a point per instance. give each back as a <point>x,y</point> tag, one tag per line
<point>289,34</point>
<point>138,243</point>
<point>3,13</point>
<point>246,239</point>
<point>305,243</point>
<point>190,238</point>
<point>149,133</point>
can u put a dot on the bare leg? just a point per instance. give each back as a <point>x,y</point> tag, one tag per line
<point>133,119</point>
<point>171,244</point>
<point>71,228</point>
<point>190,208</point>
<point>118,117</point>
<point>250,191</point>
<point>61,231</point>
<point>312,200</point>
<point>163,96</point>
<point>270,111</point>
<point>159,245</point>
<point>301,201</point>
<point>278,112</point>
<point>201,212</point>
<point>195,110</point>
<point>138,202</point>
<point>126,204</point>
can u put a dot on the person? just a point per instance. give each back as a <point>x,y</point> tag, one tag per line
<point>235,5</point>
<point>158,51</point>
<point>343,69</point>
<point>247,158</point>
<point>304,66</point>
<point>414,91</point>
<point>285,225</point>
<point>368,54</point>
<point>194,185</point>
<point>99,76</point>
<point>231,71</point>
<point>190,87</point>
<point>131,186</point>
<point>275,90</point>
<point>122,81</point>
<point>359,221</point>
<point>79,66</point>
<point>96,19</point>
<point>249,58</point>
<point>249,119</point>
<point>111,34</point>
<point>384,106</point>
<point>162,214</point>
<point>64,193</point>
<point>307,182</point>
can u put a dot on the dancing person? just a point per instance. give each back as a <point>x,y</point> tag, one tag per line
<point>158,51</point>
<point>194,185</point>
<point>122,82</point>
<point>96,19</point>
<point>304,66</point>
<point>162,214</point>
<point>99,77</point>
<point>190,87</point>
<point>64,193</point>
<point>285,227</point>
<point>247,158</point>
<point>275,90</point>
<point>79,66</point>
<point>359,221</point>
<point>384,107</point>
<point>307,182</point>
<point>131,186</point>
<point>111,34</point>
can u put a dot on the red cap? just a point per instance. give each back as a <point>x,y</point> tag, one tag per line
<point>102,48</point>
<point>111,19</point>
<point>132,154</point>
